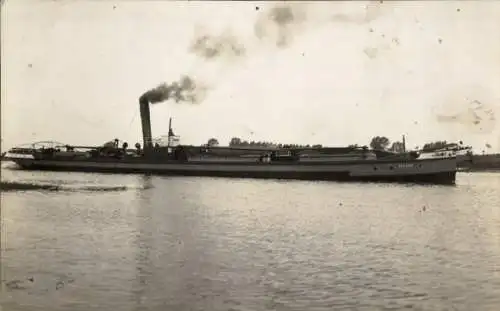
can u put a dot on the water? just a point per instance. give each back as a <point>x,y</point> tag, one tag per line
<point>226,244</point>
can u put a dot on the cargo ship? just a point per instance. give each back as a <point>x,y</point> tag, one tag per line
<point>480,163</point>
<point>332,164</point>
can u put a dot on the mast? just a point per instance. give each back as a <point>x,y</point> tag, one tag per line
<point>170,132</point>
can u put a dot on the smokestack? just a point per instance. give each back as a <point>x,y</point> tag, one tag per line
<point>147,138</point>
<point>185,90</point>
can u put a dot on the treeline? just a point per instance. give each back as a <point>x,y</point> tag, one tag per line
<point>383,143</point>
<point>238,142</point>
<point>376,143</point>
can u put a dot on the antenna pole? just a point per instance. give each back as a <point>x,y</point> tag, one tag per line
<point>169,131</point>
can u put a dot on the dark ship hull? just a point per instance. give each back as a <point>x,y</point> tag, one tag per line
<point>433,171</point>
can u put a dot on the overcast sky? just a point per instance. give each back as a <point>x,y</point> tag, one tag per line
<point>335,73</point>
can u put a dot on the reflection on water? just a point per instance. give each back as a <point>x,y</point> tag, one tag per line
<point>227,244</point>
<point>143,243</point>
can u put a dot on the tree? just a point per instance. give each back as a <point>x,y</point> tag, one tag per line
<point>213,142</point>
<point>397,146</point>
<point>235,141</point>
<point>380,143</point>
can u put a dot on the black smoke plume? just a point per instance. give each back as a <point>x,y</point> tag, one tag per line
<point>184,90</point>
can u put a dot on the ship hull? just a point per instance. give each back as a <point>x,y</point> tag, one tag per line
<point>432,171</point>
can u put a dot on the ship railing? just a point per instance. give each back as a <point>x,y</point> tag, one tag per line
<point>39,145</point>
<point>440,153</point>
<point>30,149</point>
<point>316,150</point>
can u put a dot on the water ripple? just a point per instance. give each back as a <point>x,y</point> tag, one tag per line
<point>210,244</point>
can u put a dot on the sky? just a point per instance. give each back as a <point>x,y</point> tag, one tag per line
<point>306,73</point>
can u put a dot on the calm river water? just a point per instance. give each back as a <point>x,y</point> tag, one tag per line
<point>156,243</point>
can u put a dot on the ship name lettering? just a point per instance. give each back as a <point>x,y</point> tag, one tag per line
<point>405,165</point>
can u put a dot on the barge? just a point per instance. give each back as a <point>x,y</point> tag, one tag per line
<point>333,164</point>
